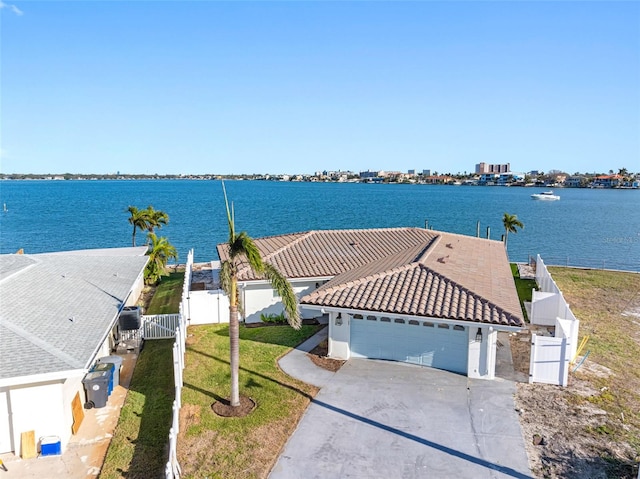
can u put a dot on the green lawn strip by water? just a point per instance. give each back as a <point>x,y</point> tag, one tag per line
<point>599,300</point>
<point>524,287</point>
<point>166,299</point>
<point>212,446</point>
<point>138,446</point>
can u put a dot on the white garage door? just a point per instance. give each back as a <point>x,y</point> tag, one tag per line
<point>441,346</point>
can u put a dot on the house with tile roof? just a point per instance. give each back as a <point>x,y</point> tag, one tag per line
<point>57,316</point>
<point>406,294</point>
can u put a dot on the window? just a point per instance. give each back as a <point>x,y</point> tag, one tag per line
<point>371,318</point>
<point>384,319</point>
<point>413,322</point>
<point>457,327</point>
<point>443,326</point>
<point>428,324</point>
<point>357,316</point>
<point>399,320</point>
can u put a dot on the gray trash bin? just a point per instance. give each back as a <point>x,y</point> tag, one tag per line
<point>117,367</point>
<point>96,385</point>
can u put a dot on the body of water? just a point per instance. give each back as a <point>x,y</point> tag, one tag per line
<point>595,228</point>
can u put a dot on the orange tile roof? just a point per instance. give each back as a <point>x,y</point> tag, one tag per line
<point>409,271</point>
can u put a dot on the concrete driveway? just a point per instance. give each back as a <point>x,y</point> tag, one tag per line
<point>381,419</point>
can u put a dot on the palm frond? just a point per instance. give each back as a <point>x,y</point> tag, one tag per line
<point>245,246</point>
<point>225,276</point>
<point>230,216</point>
<point>285,291</point>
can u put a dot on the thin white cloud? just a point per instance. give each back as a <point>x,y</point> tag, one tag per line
<point>11,7</point>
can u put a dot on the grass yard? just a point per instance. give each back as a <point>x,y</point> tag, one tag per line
<point>167,296</point>
<point>608,306</point>
<point>138,446</point>
<point>229,448</point>
<point>523,286</point>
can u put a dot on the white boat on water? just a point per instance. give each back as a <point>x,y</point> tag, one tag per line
<point>545,195</point>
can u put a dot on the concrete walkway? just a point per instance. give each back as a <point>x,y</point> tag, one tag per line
<point>381,419</point>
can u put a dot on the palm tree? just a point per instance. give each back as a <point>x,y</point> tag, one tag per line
<point>139,219</point>
<point>510,222</point>
<point>157,218</point>
<point>160,252</point>
<point>243,249</point>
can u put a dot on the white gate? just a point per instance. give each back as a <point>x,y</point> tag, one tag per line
<point>549,362</point>
<point>160,326</point>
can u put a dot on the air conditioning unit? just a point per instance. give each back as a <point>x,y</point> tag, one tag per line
<point>130,318</point>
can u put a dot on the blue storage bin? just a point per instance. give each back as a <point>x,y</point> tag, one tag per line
<point>50,446</point>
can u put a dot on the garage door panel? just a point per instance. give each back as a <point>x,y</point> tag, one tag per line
<point>438,347</point>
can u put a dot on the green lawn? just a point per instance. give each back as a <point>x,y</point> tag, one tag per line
<point>524,288</point>
<point>138,447</point>
<point>215,447</point>
<point>166,299</point>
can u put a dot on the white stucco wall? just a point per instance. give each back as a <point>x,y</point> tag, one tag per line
<point>44,408</point>
<point>136,290</point>
<point>339,336</point>
<point>38,408</point>
<point>259,298</point>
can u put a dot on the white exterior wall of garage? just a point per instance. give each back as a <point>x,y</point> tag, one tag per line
<point>259,298</point>
<point>438,343</point>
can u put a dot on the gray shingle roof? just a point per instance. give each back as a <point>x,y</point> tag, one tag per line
<point>56,308</point>
<point>399,270</point>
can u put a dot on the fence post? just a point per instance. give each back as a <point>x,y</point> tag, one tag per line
<point>532,359</point>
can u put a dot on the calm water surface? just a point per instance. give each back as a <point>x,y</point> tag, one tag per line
<point>598,228</point>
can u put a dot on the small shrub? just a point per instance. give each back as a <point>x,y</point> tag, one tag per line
<point>273,318</point>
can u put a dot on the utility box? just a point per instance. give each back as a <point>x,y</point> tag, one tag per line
<point>50,446</point>
<point>96,385</point>
<point>130,318</point>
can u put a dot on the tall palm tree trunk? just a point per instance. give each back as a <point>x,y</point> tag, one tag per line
<point>234,347</point>
<point>234,342</point>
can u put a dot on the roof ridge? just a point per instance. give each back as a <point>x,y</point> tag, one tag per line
<point>302,236</point>
<point>364,279</point>
<point>467,291</point>
<point>426,252</point>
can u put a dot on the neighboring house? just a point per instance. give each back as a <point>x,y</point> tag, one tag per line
<point>405,294</point>
<point>607,181</point>
<point>57,316</point>
<point>488,179</point>
<point>576,181</point>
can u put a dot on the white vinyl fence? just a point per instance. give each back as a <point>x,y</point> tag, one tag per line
<point>551,356</point>
<point>172,469</point>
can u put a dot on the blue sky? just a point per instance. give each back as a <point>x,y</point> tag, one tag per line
<point>272,87</point>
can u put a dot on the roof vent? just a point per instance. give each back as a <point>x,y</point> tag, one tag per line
<point>354,243</point>
<point>449,245</point>
<point>443,259</point>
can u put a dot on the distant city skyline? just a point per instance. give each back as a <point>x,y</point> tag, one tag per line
<point>299,87</point>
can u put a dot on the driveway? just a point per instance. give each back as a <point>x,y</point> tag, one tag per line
<point>382,419</point>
